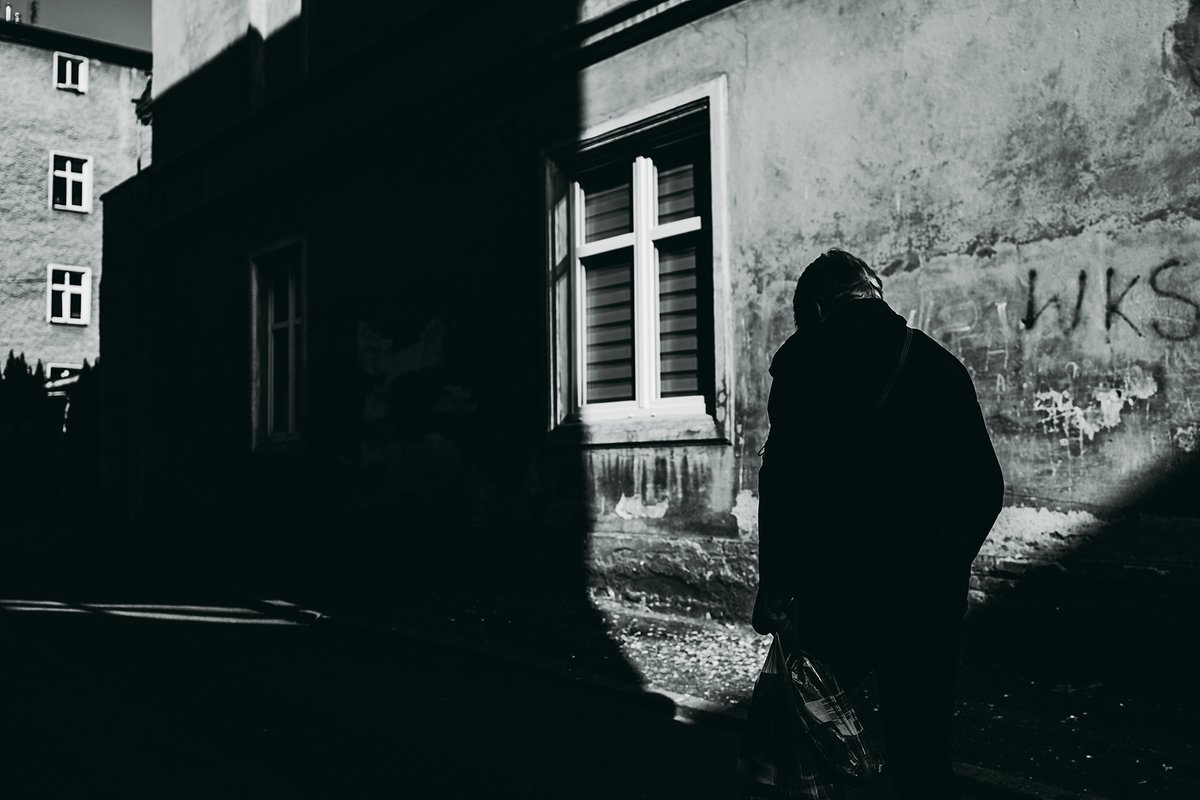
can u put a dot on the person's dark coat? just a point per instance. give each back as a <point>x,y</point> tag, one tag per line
<point>871,520</point>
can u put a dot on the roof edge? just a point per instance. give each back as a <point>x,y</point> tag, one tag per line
<point>49,39</point>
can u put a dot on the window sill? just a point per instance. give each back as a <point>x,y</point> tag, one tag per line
<point>279,449</point>
<point>76,323</point>
<point>644,428</point>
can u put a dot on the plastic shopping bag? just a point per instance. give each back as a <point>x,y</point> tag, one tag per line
<point>778,758</point>
<point>830,720</point>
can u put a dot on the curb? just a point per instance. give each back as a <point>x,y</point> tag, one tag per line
<point>686,709</point>
<point>989,783</point>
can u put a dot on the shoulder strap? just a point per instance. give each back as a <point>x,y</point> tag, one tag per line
<point>887,390</point>
<point>896,373</point>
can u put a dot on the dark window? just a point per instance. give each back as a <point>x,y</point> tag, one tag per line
<point>280,349</point>
<point>70,72</point>
<point>70,182</point>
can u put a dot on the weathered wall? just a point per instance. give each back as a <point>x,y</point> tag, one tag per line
<point>36,119</point>
<point>1024,175</point>
<point>983,156</point>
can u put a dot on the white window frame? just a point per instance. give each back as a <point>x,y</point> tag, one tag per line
<point>646,232</point>
<point>649,416</point>
<point>68,289</point>
<point>263,351</point>
<point>70,176</point>
<point>81,78</point>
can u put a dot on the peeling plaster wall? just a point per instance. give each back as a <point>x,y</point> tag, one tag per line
<point>1024,175</point>
<point>36,119</point>
<point>676,490</point>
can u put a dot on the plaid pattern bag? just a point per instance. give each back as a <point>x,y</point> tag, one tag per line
<point>803,738</point>
<point>828,716</point>
<point>778,759</point>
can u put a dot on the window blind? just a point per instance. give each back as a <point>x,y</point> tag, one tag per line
<point>607,210</point>
<point>678,324</point>
<point>609,307</point>
<point>676,193</point>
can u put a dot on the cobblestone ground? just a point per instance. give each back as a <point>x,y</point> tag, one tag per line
<point>1084,738</point>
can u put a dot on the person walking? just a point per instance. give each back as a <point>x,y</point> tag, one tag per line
<point>878,485</point>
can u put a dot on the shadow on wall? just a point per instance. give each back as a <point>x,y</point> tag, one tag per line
<point>428,494</point>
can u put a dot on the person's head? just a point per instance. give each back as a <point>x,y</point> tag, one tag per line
<point>829,282</point>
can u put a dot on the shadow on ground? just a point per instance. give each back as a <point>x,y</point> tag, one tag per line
<point>1086,659</point>
<point>133,689</point>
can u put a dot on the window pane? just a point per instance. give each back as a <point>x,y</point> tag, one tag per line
<point>279,381</point>
<point>298,389</point>
<point>59,191</point>
<point>75,278</point>
<point>562,345</point>
<point>607,205</point>
<point>677,320</point>
<point>77,193</point>
<point>280,337</point>
<point>56,305</point>
<point>561,230</point>
<point>279,295</point>
<point>58,276</point>
<point>62,70</point>
<point>76,306</point>
<point>676,192</point>
<point>609,301</point>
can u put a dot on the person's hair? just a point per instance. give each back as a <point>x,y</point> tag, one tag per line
<point>833,279</point>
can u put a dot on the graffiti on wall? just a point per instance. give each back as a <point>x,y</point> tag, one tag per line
<point>1073,342</point>
<point>1179,326</point>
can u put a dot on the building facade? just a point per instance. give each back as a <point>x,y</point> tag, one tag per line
<point>70,133</point>
<point>504,283</point>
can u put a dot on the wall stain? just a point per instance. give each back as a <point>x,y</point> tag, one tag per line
<point>1186,46</point>
<point>1060,415</point>
<point>633,507</point>
<point>1187,438</point>
<point>1046,151</point>
<point>907,262</point>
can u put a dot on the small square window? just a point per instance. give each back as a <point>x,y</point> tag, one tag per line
<point>69,295</point>
<point>70,182</point>
<point>70,73</point>
<point>60,377</point>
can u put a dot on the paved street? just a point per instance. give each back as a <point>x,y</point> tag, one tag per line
<point>132,689</point>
